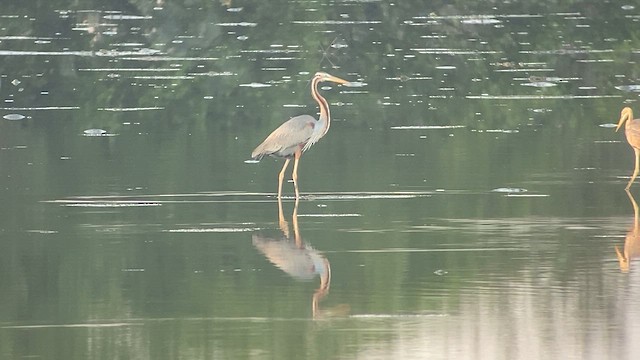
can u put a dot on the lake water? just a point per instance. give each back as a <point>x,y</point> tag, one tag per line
<point>467,202</point>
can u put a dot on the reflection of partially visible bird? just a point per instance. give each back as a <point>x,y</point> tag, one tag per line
<point>297,134</point>
<point>632,131</point>
<point>631,241</point>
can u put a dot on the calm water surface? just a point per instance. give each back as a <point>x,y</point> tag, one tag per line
<point>467,202</point>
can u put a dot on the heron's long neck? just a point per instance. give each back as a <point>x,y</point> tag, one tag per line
<point>325,115</point>
<point>629,119</point>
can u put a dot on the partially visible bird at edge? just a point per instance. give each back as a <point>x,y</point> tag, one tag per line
<point>632,132</point>
<point>296,135</point>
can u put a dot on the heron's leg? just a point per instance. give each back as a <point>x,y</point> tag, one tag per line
<point>295,173</point>
<point>637,168</point>
<point>636,211</point>
<point>296,229</point>
<point>281,177</point>
<point>284,226</point>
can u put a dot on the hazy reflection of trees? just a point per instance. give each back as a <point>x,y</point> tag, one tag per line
<point>550,139</point>
<point>184,29</point>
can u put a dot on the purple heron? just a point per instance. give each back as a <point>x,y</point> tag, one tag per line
<point>297,134</point>
<point>632,131</point>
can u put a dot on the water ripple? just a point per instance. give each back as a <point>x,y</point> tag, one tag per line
<point>539,97</point>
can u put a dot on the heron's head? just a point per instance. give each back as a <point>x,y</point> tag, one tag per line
<point>323,76</point>
<point>625,115</point>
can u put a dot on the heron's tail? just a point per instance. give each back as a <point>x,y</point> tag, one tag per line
<point>255,157</point>
<point>260,151</point>
<point>257,154</point>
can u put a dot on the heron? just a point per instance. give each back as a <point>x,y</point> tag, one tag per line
<point>632,131</point>
<point>298,134</point>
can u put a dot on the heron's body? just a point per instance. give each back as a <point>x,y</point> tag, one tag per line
<point>632,132</point>
<point>297,134</point>
<point>287,139</point>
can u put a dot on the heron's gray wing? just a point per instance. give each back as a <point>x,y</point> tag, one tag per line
<point>300,263</point>
<point>284,140</point>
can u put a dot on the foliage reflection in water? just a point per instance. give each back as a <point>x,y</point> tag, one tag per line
<point>469,197</point>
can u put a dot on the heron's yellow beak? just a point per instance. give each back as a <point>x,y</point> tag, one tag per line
<point>622,260</point>
<point>621,121</point>
<point>336,79</point>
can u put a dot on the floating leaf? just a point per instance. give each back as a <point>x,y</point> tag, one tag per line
<point>14,117</point>
<point>95,132</point>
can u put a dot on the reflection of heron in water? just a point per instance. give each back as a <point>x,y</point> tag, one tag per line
<point>632,131</point>
<point>631,241</point>
<point>297,259</point>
